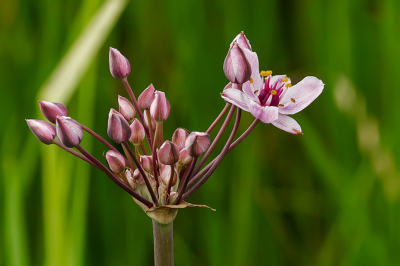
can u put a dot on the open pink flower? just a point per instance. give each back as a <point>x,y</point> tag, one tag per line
<point>271,98</point>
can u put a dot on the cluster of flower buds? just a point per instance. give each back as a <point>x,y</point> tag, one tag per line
<point>162,172</point>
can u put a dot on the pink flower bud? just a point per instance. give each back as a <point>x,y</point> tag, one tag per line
<point>119,65</point>
<point>147,163</point>
<point>118,128</point>
<point>126,108</point>
<point>138,177</point>
<point>165,175</point>
<point>242,41</point>
<point>129,177</point>
<point>146,123</point>
<point>236,67</point>
<point>197,143</point>
<point>179,137</point>
<point>159,109</point>
<point>44,131</point>
<point>115,161</point>
<point>146,97</point>
<point>168,153</point>
<point>52,110</point>
<point>137,132</point>
<point>69,131</point>
<point>184,157</point>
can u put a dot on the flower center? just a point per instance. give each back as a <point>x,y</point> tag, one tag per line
<point>273,89</point>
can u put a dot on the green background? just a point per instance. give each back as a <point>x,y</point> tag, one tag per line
<point>330,197</point>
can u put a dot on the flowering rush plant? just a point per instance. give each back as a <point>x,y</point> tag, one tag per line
<point>162,176</point>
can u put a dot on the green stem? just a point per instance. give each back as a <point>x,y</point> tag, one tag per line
<point>163,244</point>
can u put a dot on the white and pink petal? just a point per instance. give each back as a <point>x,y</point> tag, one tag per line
<point>265,114</point>
<point>288,124</point>
<point>300,95</point>
<point>236,97</point>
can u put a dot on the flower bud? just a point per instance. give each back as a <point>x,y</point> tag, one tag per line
<point>197,143</point>
<point>184,157</point>
<point>166,174</point>
<point>147,163</point>
<point>44,131</point>
<point>236,67</point>
<point>137,132</point>
<point>119,65</point>
<point>126,108</point>
<point>146,97</point>
<point>146,123</point>
<point>168,153</point>
<point>115,161</point>
<point>118,128</point>
<point>129,177</point>
<point>179,137</point>
<point>51,110</point>
<point>69,131</point>
<point>159,109</point>
<point>138,176</point>
<point>242,41</point>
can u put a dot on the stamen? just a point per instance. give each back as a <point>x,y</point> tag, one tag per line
<point>265,73</point>
<point>288,85</point>
<point>273,92</point>
<point>293,100</point>
<point>281,105</point>
<point>285,79</point>
<point>298,132</point>
<point>251,80</point>
<point>256,91</point>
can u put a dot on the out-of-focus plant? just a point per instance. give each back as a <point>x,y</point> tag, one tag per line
<point>161,181</point>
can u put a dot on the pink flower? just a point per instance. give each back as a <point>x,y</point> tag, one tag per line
<point>159,109</point>
<point>271,98</point>
<point>69,131</point>
<point>44,131</point>
<point>119,65</point>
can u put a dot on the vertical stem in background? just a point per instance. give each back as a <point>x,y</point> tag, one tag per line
<point>163,244</point>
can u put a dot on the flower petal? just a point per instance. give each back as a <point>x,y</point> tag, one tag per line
<point>252,58</point>
<point>236,97</point>
<point>231,85</point>
<point>250,91</point>
<point>265,114</point>
<point>287,124</point>
<point>301,95</point>
<point>242,40</point>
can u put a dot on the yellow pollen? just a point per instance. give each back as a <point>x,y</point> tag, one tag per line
<point>288,85</point>
<point>273,92</point>
<point>251,80</point>
<point>281,105</point>
<point>265,73</point>
<point>285,79</point>
<point>293,100</point>
<point>256,91</point>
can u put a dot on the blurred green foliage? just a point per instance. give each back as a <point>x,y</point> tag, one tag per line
<point>330,197</point>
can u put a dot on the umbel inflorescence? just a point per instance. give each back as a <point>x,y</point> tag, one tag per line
<point>158,172</point>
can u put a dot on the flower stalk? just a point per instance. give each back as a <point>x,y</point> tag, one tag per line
<point>163,244</point>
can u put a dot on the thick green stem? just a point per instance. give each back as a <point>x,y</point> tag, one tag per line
<point>163,244</point>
